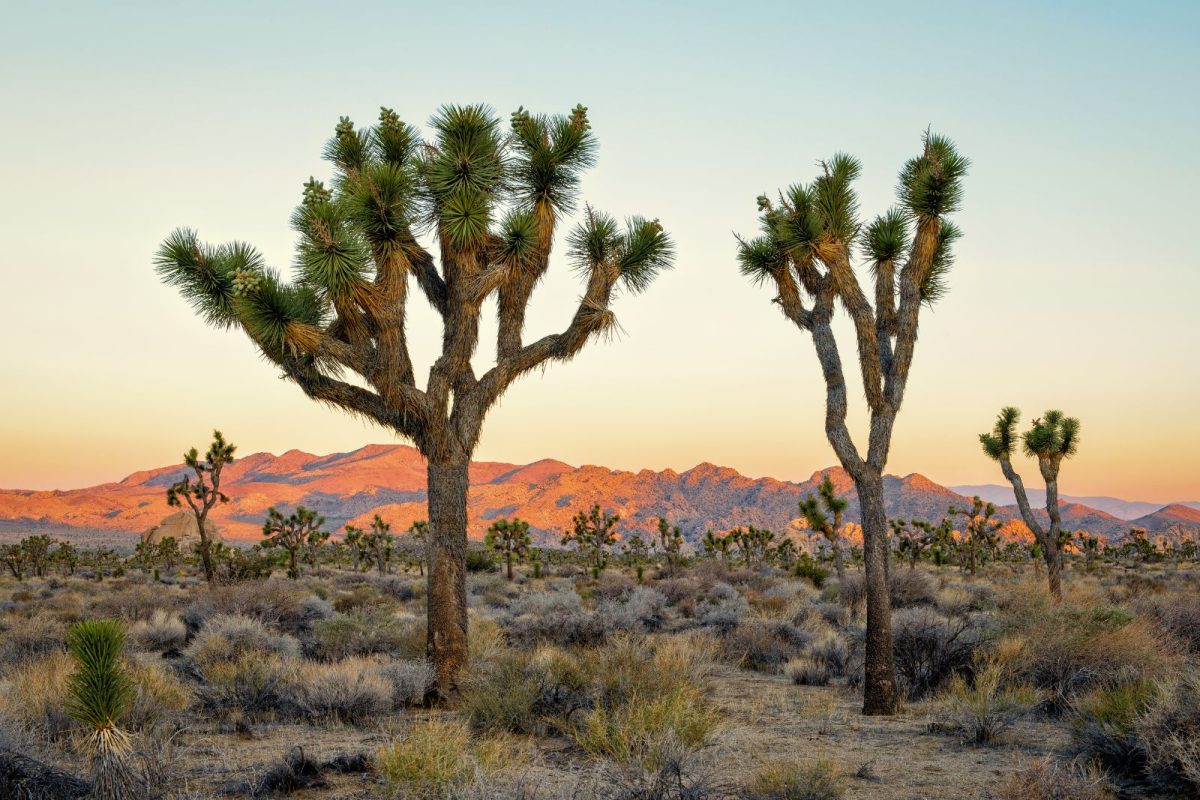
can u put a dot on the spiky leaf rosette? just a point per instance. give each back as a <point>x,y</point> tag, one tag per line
<point>1053,435</point>
<point>99,692</point>
<point>931,184</point>
<point>1000,442</point>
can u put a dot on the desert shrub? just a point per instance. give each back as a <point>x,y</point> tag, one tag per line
<point>929,649</point>
<point>613,586</point>
<point>811,570</point>
<point>1177,615</point>
<point>362,595</point>
<point>1169,733</point>
<point>645,727</point>
<point>980,710</point>
<point>410,680</point>
<point>31,699</point>
<point>640,666</point>
<point>963,599</point>
<point>350,691</point>
<point>162,631</point>
<point>526,692</point>
<point>436,758</point>
<point>834,614</point>
<point>852,590</point>
<point>1043,779</point>
<point>640,609</point>
<point>558,617</point>
<point>276,602</point>
<point>831,652</point>
<point>481,561</point>
<point>367,631</point>
<point>764,645</point>
<point>684,592</point>
<point>294,773</point>
<point>159,693</point>
<point>399,589</point>
<point>1070,649</point>
<point>1102,725</point>
<point>796,780</point>
<point>910,587</point>
<point>132,602</point>
<point>228,637</point>
<point>254,685</point>
<point>30,638</point>
<point>721,608</point>
<point>807,671</point>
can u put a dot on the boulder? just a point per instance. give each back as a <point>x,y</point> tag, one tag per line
<point>181,525</point>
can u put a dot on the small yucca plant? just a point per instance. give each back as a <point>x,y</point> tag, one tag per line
<point>99,694</point>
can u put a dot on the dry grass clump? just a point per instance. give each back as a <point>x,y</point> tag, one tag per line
<point>981,710</point>
<point>277,602</point>
<point>228,637</point>
<point>160,694</point>
<point>807,671</point>
<point>31,698</point>
<point>438,758</point>
<point>24,639</point>
<point>132,600</point>
<point>251,686</point>
<point>646,727</point>
<point>411,681</point>
<point>764,645</point>
<point>365,631</point>
<point>352,691</point>
<point>164,630</point>
<point>1176,614</point>
<point>1169,733</point>
<point>911,587</point>
<point>930,649</point>
<point>1043,779</point>
<point>1102,723</point>
<point>796,780</point>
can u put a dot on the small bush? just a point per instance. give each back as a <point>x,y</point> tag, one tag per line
<point>807,672</point>
<point>229,637</point>
<point>31,698</point>
<point>929,649</point>
<point>351,691</point>
<point>159,694</point>
<point>1043,779</point>
<point>834,614</point>
<point>162,631</point>
<point>852,590</point>
<point>481,561</point>
<point>1169,733</point>
<point>411,680</point>
<point>722,608</point>
<point>982,710</point>
<point>365,632</point>
<point>1102,725</point>
<point>558,617</point>
<point>253,686</point>
<point>831,652</point>
<point>810,569</point>
<point>29,639</point>
<point>911,587</point>
<point>642,609</point>
<point>435,758</point>
<point>644,728</point>
<point>764,645</point>
<point>796,780</point>
<point>1178,616</point>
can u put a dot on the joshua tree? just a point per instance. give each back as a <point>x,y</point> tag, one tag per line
<point>1049,439</point>
<point>313,545</point>
<point>13,556</point>
<point>37,553</point>
<point>817,512</point>
<point>418,533</point>
<point>204,492</point>
<point>494,201</point>
<point>99,694</point>
<point>168,552</point>
<point>511,539</point>
<point>355,541</point>
<point>805,251</point>
<point>378,542</point>
<point>913,541</point>
<point>1090,546</point>
<point>592,534</point>
<point>670,539</point>
<point>291,533</point>
<point>67,555</point>
<point>717,546</point>
<point>980,531</point>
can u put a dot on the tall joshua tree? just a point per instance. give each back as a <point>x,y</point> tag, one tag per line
<point>806,252</point>
<point>1049,439</point>
<point>203,492</point>
<point>492,200</point>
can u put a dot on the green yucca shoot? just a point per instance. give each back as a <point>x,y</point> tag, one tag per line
<point>99,692</point>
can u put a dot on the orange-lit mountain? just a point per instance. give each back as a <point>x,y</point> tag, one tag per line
<point>390,480</point>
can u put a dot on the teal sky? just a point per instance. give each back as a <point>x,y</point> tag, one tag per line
<point>1076,284</point>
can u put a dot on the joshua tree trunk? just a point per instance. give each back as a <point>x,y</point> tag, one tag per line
<point>1046,539</point>
<point>839,564</point>
<point>447,614</point>
<point>880,696</point>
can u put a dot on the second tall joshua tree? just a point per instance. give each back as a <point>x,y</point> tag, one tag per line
<point>805,252</point>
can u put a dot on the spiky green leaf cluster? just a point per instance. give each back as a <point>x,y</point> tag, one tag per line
<point>1003,438</point>
<point>639,252</point>
<point>887,237</point>
<point>935,286</point>
<point>1053,435</point>
<point>931,184</point>
<point>99,692</point>
<point>551,154</point>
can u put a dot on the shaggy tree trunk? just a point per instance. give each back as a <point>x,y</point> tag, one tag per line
<point>205,548</point>
<point>839,563</point>
<point>880,695</point>
<point>447,613</point>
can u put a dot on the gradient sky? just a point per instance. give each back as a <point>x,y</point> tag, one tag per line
<point>1076,284</point>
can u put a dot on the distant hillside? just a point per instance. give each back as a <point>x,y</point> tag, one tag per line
<point>1115,506</point>
<point>390,480</point>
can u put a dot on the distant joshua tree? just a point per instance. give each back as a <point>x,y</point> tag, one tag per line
<point>980,529</point>
<point>818,512</point>
<point>291,533</point>
<point>494,200</point>
<point>204,492</point>
<point>379,542</point>
<point>511,539</point>
<point>1050,439</point>
<point>591,534</point>
<point>806,252</point>
<point>670,539</point>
